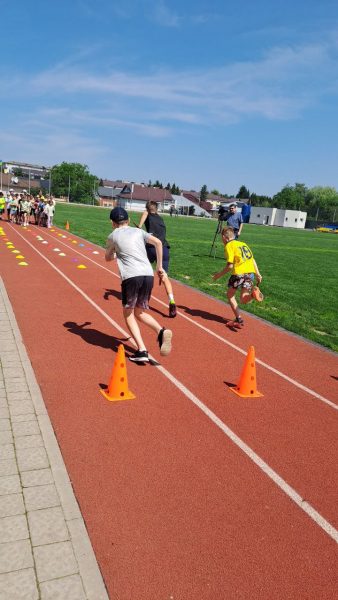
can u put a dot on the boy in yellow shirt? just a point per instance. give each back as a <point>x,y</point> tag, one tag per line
<point>243,268</point>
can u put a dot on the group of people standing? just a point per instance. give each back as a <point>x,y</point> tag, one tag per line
<point>19,208</point>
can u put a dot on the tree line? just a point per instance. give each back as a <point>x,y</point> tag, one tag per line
<point>74,180</point>
<point>319,202</point>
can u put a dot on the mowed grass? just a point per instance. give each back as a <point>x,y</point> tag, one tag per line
<point>299,268</point>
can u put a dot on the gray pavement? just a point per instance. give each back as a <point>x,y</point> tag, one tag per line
<point>45,551</point>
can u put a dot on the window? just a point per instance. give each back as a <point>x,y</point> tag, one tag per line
<point>258,216</point>
<point>296,220</point>
<point>301,219</point>
<point>286,218</point>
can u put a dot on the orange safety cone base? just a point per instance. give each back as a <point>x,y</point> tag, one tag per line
<point>118,386</point>
<point>254,394</point>
<point>128,396</point>
<point>247,386</point>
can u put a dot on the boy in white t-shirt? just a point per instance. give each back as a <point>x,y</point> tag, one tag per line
<point>128,245</point>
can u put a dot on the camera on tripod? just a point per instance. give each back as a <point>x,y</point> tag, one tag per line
<point>223,213</point>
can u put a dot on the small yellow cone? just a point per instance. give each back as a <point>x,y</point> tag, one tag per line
<point>23,264</point>
<point>81,267</point>
<point>19,256</point>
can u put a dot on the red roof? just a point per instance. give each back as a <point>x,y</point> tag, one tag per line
<point>140,192</point>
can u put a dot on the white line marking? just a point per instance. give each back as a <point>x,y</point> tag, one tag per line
<point>225,341</point>
<point>279,481</point>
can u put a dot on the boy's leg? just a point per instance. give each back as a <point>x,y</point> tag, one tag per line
<point>133,327</point>
<point>245,297</point>
<point>231,293</point>
<point>144,317</point>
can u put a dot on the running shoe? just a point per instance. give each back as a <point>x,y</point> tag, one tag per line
<point>256,294</point>
<point>140,356</point>
<point>172,310</point>
<point>238,323</point>
<point>164,341</point>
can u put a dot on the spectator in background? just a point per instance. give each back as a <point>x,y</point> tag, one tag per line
<point>49,212</point>
<point>2,204</point>
<point>235,220</point>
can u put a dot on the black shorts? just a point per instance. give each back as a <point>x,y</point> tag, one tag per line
<point>151,253</point>
<point>244,281</point>
<point>136,291</point>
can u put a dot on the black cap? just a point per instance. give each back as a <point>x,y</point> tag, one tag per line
<point>118,214</point>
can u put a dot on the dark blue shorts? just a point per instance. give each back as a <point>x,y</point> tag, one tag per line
<point>151,253</point>
<point>136,291</point>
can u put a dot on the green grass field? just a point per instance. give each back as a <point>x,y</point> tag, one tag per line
<point>299,268</point>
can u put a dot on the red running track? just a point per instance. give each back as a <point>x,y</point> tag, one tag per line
<point>188,491</point>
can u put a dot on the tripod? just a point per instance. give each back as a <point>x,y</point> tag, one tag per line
<point>217,232</point>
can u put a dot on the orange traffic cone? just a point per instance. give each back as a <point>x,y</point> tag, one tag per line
<point>67,226</point>
<point>118,385</point>
<point>247,387</point>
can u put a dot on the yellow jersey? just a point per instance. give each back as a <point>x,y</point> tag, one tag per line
<point>241,256</point>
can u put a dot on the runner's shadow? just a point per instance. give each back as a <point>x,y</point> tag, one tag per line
<point>197,312</point>
<point>159,312</point>
<point>115,293</point>
<point>96,337</point>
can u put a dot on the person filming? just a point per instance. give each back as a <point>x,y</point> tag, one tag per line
<point>235,220</point>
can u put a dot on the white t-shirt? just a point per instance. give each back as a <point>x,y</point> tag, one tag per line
<point>129,245</point>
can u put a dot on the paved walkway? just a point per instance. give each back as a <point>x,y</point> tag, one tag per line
<point>45,551</point>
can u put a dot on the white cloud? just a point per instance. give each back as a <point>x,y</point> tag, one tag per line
<point>163,15</point>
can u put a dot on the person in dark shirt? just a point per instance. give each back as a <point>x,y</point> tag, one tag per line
<point>155,225</point>
<point>235,220</point>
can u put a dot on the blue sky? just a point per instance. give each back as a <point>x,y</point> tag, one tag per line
<point>193,92</point>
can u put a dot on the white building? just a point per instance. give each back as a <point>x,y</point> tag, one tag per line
<point>265,215</point>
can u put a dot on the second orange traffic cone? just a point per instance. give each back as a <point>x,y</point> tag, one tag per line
<point>118,385</point>
<point>67,226</point>
<point>247,386</point>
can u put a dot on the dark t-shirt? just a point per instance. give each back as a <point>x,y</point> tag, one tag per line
<point>154,224</point>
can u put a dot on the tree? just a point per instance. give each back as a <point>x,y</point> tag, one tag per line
<point>243,193</point>
<point>75,180</point>
<point>323,201</point>
<point>291,197</point>
<point>203,193</point>
<point>256,200</point>
<point>175,189</point>
<point>215,193</point>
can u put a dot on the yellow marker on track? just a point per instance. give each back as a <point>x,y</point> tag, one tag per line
<point>81,267</point>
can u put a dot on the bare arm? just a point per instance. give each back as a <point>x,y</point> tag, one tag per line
<point>258,275</point>
<point>159,253</point>
<point>228,267</point>
<point>240,229</point>
<point>110,251</point>
<point>142,219</point>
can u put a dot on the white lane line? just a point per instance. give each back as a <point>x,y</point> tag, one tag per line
<point>227,342</point>
<point>267,470</point>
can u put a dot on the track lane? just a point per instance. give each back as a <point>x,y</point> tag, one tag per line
<point>296,450</point>
<point>297,365</point>
<point>146,445</point>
